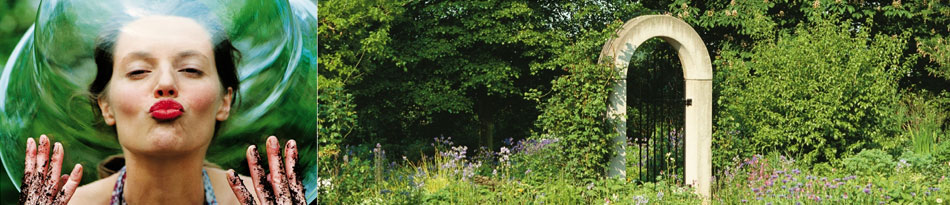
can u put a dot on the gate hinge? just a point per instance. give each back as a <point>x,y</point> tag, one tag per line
<point>689,101</point>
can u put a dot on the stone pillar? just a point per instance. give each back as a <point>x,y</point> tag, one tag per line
<point>699,135</point>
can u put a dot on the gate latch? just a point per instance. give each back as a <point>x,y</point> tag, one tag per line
<point>689,101</point>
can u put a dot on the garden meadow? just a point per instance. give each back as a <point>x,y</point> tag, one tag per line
<point>506,102</point>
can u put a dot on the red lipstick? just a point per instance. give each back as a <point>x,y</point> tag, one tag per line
<point>166,109</point>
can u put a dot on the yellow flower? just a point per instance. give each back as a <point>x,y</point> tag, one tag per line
<point>520,190</point>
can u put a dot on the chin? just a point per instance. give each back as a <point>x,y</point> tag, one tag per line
<point>165,144</point>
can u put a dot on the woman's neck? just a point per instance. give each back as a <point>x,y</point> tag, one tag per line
<point>165,180</point>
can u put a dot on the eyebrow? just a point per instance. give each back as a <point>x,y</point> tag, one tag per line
<point>191,53</point>
<point>136,55</point>
<point>147,55</point>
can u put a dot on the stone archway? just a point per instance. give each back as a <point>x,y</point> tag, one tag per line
<point>697,72</point>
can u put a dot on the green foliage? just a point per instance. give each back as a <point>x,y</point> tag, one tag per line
<point>869,177</point>
<point>803,96</point>
<point>352,33</point>
<point>869,162</point>
<point>444,179</point>
<point>576,110</point>
<point>924,115</point>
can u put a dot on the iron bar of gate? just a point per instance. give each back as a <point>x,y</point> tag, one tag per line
<point>657,130</point>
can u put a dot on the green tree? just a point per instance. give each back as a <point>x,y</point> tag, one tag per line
<point>801,95</point>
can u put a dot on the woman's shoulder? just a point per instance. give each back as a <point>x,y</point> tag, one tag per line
<point>222,189</point>
<point>97,192</point>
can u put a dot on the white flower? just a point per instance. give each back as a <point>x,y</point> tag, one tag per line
<point>325,185</point>
<point>939,200</point>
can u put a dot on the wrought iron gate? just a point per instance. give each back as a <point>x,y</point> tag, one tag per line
<point>656,116</point>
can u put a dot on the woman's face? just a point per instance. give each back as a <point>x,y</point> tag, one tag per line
<point>164,95</point>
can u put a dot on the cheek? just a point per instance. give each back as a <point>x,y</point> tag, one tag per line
<point>202,98</point>
<point>129,100</point>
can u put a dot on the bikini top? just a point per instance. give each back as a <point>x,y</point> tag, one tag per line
<point>117,198</point>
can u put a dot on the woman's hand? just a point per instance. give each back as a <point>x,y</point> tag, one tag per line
<point>41,182</point>
<point>280,188</point>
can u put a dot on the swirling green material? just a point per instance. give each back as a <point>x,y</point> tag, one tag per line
<point>43,86</point>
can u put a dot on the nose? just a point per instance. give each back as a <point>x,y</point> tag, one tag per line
<point>166,86</point>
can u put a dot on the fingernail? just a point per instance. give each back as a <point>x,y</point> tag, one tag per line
<point>30,142</point>
<point>57,148</point>
<point>77,172</point>
<point>272,141</point>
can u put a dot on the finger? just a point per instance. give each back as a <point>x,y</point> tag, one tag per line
<point>55,167</point>
<point>257,176</point>
<point>28,170</point>
<point>277,177</point>
<point>290,162</point>
<point>62,180</point>
<point>42,153</point>
<point>237,186</point>
<point>70,186</point>
<point>42,172</point>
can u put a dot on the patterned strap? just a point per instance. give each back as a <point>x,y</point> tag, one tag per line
<point>117,198</point>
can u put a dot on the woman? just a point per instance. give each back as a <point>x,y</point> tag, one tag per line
<point>164,83</point>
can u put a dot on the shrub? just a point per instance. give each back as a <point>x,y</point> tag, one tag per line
<point>575,112</point>
<point>869,162</point>
<point>820,94</point>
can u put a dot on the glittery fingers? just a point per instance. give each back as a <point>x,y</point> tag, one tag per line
<point>240,191</point>
<point>55,166</point>
<point>72,182</point>
<point>29,171</point>
<point>258,176</point>
<point>290,162</point>
<point>277,177</point>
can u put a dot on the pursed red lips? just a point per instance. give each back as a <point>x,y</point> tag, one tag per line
<point>166,109</point>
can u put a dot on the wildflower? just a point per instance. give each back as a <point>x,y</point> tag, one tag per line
<point>659,196</point>
<point>796,171</point>
<point>939,200</point>
<point>744,201</point>
<point>641,200</point>
<point>844,196</point>
<point>867,191</point>
<point>526,172</point>
<point>590,186</point>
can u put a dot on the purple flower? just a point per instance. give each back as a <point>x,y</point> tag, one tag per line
<point>867,191</point>
<point>796,171</point>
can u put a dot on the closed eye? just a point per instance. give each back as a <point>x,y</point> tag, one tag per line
<point>135,74</point>
<point>191,71</point>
